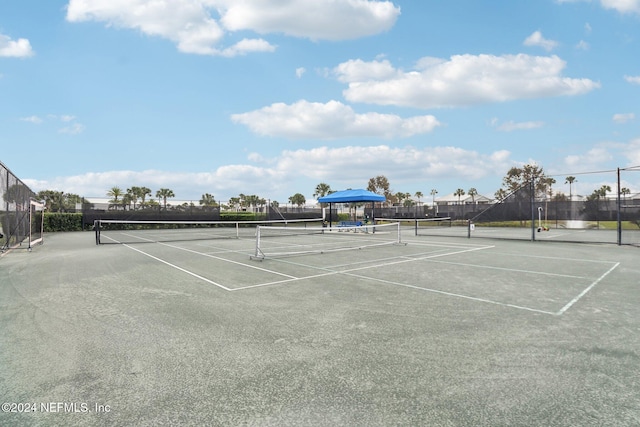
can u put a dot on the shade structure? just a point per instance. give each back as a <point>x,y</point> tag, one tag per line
<point>349,196</point>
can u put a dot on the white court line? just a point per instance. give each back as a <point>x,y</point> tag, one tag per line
<point>290,278</point>
<point>583,293</point>
<point>178,268</point>
<point>389,282</point>
<point>515,270</point>
<point>350,273</point>
<point>422,258</point>
<point>230,261</point>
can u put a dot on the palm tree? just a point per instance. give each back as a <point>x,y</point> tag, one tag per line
<point>297,199</point>
<point>322,190</point>
<point>208,201</point>
<point>602,192</point>
<point>127,199</point>
<point>625,191</point>
<point>115,192</point>
<point>143,192</point>
<point>570,180</point>
<point>163,194</point>
<point>460,192</point>
<point>473,193</point>
<point>418,195</point>
<point>548,182</point>
<point>133,194</point>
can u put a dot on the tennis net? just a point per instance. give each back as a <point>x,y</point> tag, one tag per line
<point>275,241</point>
<point>142,231</point>
<point>424,226</point>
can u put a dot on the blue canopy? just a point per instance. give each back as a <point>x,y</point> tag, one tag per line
<point>348,196</point>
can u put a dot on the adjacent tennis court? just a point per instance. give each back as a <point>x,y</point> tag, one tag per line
<point>312,325</point>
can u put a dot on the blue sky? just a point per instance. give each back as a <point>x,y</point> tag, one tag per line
<point>272,97</point>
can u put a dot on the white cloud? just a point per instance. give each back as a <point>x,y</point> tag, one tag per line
<point>318,19</point>
<point>356,70</point>
<point>633,79</point>
<point>536,39</point>
<point>32,119</point>
<point>20,48</point>
<point>74,129</point>
<point>330,120</point>
<point>583,45</point>
<point>589,161</point>
<point>622,6</point>
<point>342,167</point>
<point>463,80</point>
<point>511,126</point>
<point>199,26</point>
<point>355,164</point>
<point>632,152</point>
<point>300,72</point>
<point>623,118</point>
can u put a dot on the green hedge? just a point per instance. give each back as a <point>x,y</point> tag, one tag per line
<point>54,221</point>
<point>242,216</point>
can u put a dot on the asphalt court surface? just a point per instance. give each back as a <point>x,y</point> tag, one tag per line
<point>438,331</point>
<point>463,269</point>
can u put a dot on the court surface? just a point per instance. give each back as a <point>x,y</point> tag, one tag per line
<point>438,331</point>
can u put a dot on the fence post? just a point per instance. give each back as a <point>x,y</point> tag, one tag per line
<point>619,219</point>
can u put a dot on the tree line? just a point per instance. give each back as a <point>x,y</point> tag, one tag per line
<point>140,197</point>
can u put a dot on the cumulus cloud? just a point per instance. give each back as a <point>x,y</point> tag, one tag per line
<point>318,19</point>
<point>632,152</point>
<point>536,39</point>
<point>341,167</point>
<point>623,118</point>
<point>32,119</point>
<point>462,80</point>
<point>330,120</point>
<point>70,129</point>
<point>592,160</point>
<point>511,126</point>
<point>74,129</point>
<point>635,80</point>
<point>622,6</point>
<point>355,163</point>
<point>583,45</point>
<point>200,26</point>
<point>10,48</point>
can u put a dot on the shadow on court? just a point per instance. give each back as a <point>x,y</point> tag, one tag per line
<point>438,331</point>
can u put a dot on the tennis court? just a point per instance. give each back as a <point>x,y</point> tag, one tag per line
<point>166,328</point>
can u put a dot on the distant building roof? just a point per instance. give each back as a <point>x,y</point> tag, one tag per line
<point>452,199</point>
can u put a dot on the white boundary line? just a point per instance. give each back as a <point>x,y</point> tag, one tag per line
<point>584,292</point>
<point>191,273</point>
<point>405,259</point>
<point>451,294</point>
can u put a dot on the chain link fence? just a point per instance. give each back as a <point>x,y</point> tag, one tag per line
<point>19,216</point>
